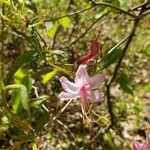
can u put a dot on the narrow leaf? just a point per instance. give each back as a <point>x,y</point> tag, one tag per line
<point>21,60</point>
<point>42,121</point>
<point>110,58</point>
<point>64,22</point>
<point>125,83</point>
<point>49,76</point>
<point>19,97</point>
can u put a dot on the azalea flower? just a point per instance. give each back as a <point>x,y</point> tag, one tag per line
<point>142,146</point>
<point>85,87</point>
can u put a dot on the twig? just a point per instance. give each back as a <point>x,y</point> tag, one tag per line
<point>68,15</point>
<point>55,36</point>
<point>83,34</point>
<point>109,101</point>
<point>94,5</point>
<point>61,123</point>
<point>40,37</point>
<point>144,14</point>
<point>2,40</point>
<point>59,28</point>
<point>140,5</point>
<point>112,6</point>
<point>62,110</point>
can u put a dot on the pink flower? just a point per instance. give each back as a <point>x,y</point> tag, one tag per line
<point>85,87</point>
<point>142,146</point>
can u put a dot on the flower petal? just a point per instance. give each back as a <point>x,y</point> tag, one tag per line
<point>67,96</point>
<point>137,146</point>
<point>68,86</point>
<point>96,80</point>
<point>82,76</point>
<point>95,96</point>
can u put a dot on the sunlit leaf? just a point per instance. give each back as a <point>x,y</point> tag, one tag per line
<point>19,97</point>
<point>64,22</point>
<point>49,76</point>
<point>22,77</point>
<point>7,2</point>
<point>51,28</point>
<point>34,146</point>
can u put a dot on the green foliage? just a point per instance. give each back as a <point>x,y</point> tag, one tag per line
<point>19,97</point>
<point>65,22</point>
<point>109,137</point>
<point>125,83</point>
<point>110,58</point>
<point>51,28</point>
<point>34,146</point>
<point>22,77</point>
<point>49,76</point>
<point>42,121</point>
<point>20,61</point>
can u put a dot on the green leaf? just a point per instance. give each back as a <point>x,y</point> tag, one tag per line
<point>6,2</point>
<point>49,76</point>
<point>21,60</point>
<point>34,146</point>
<point>110,58</point>
<point>51,28</point>
<point>27,82</point>
<point>42,121</point>
<point>22,77</point>
<point>64,22</point>
<point>125,83</point>
<point>19,97</point>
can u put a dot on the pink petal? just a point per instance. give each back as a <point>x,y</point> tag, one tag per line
<point>67,96</point>
<point>96,81</point>
<point>68,86</point>
<point>82,76</point>
<point>137,146</point>
<point>95,96</point>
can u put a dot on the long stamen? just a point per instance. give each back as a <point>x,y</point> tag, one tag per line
<point>84,103</point>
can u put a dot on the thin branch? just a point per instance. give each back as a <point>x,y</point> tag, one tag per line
<point>140,5</point>
<point>55,36</point>
<point>59,28</point>
<point>68,15</point>
<point>83,34</point>
<point>61,123</point>
<point>144,14</point>
<point>45,44</point>
<point>62,110</point>
<point>109,100</point>
<point>95,4</point>
<point>115,7</point>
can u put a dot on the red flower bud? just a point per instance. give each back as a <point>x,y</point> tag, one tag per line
<point>94,50</point>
